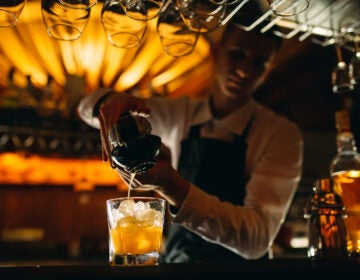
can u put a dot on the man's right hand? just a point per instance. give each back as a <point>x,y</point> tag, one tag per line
<point>111,109</point>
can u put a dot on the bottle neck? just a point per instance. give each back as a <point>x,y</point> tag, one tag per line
<point>346,142</point>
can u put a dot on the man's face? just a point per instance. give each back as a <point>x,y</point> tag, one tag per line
<point>242,62</point>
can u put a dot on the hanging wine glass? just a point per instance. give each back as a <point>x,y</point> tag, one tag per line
<point>10,11</point>
<point>201,16</point>
<point>287,8</point>
<point>354,65</point>
<point>79,4</point>
<point>64,22</point>
<point>341,76</point>
<point>121,30</point>
<point>142,9</point>
<point>225,2</point>
<point>175,36</point>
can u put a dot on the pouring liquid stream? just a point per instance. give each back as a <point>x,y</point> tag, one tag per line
<point>132,176</point>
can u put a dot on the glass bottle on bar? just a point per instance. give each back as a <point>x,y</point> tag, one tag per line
<point>325,215</point>
<point>345,172</point>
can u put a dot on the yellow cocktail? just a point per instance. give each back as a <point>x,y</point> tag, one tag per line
<point>135,230</point>
<point>136,240</point>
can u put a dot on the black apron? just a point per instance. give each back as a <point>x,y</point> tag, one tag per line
<point>218,168</point>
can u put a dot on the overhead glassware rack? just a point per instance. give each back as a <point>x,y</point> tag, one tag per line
<point>325,22</point>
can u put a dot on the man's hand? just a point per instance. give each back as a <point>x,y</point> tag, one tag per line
<point>112,108</point>
<point>162,178</point>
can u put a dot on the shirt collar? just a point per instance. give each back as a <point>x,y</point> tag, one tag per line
<point>235,122</point>
<point>238,120</point>
<point>203,114</point>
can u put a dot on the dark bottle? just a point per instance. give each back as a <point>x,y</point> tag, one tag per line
<point>134,148</point>
<point>325,215</point>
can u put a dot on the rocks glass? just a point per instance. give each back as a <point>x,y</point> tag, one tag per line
<point>135,230</point>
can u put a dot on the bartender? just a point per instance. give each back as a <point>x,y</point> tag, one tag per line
<point>228,167</point>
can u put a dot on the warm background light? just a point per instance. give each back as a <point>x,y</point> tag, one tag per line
<point>83,174</point>
<point>79,67</point>
<point>29,50</point>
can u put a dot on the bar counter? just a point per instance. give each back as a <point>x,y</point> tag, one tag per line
<point>289,269</point>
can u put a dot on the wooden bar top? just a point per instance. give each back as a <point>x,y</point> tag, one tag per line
<point>288,269</point>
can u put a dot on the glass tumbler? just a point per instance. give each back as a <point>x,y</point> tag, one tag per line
<point>10,11</point>
<point>175,36</point>
<point>64,22</point>
<point>135,230</point>
<point>288,7</point>
<point>121,30</point>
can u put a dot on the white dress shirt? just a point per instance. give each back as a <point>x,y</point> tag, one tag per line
<point>273,163</point>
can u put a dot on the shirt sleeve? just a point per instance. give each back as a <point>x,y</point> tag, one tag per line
<point>249,230</point>
<point>87,105</point>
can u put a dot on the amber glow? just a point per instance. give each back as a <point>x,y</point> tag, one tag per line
<point>31,51</point>
<point>79,67</point>
<point>82,174</point>
<point>136,240</point>
<point>347,185</point>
